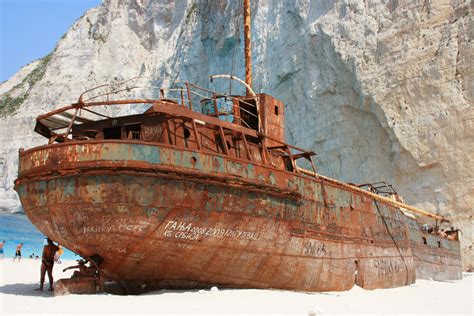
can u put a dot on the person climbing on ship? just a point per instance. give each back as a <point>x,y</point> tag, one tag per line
<point>18,252</point>
<point>47,263</point>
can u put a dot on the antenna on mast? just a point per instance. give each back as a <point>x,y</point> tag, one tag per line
<point>248,49</point>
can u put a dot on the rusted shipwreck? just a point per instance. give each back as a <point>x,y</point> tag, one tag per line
<point>176,198</point>
<point>192,193</point>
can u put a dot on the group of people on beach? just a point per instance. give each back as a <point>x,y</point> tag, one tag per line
<point>57,255</point>
<point>17,251</point>
<point>51,255</point>
<point>48,259</point>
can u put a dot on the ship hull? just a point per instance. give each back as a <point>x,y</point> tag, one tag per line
<point>170,218</point>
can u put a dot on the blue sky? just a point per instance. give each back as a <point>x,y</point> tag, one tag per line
<point>30,29</point>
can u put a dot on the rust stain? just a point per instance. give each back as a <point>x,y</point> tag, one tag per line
<point>179,199</point>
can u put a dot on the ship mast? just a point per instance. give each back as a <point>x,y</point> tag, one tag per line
<point>248,49</point>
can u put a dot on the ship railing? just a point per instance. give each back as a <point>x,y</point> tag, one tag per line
<point>293,153</point>
<point>185,90</point>
<point>381,188</point>
<point>57,125</point>
<point>214,97</point>
<point>181,92</point>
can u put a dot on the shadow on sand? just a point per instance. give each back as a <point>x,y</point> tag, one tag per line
<point>25,289</point>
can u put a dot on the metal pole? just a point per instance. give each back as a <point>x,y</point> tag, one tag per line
<point>70,125</point>
<point>247,41</point>
<point>190,103</point>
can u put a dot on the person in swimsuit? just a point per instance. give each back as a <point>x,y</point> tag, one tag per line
<point>18,252</point>
<point>1,248</point>
<point>47,263</point>
<point>57,257</point>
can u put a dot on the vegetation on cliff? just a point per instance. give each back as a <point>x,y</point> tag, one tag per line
<point>11,101</point>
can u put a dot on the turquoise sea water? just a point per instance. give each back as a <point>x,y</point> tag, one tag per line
<point>17,228</point>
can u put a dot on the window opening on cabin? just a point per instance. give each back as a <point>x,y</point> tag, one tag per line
<point>424,240</point>
<point>133,131</point>
<point>86,134</point>
<point>276,110</point>
<point>113,132</point>
<point>288,165</point>
<point>187,133</point>
<point>248,113</point>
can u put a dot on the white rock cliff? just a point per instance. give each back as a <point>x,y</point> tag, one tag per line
<point>380,89</point>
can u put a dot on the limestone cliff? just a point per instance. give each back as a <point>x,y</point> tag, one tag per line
<point>381,89</point>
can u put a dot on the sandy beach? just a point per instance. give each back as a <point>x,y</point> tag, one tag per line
<point>18,281</point>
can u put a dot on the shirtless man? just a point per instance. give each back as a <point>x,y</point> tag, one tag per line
<point>18,252</point>
<point>1,248</point>
<point>47,263</point>
<point>84,271</point>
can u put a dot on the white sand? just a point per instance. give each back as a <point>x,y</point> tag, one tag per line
<point>18,281</point>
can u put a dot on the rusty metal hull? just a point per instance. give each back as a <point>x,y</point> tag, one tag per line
<point>439,259</point>
<point>166,217</point>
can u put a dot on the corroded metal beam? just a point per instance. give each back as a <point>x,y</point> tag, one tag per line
<point>248,48</point>
<point>375,196</point>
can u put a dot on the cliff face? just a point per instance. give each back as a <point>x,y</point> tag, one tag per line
<point>380,89</point>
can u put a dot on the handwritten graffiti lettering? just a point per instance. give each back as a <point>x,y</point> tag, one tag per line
<point>315,249</point>
<point>39,158</point>
<point>386,266</point>
<point>178,226</point>
<point>116,249</point>
<point>120,226</point>
<point>190,232</point>
<point>81,218</point>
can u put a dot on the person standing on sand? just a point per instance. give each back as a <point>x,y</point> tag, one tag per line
<point>1,248</point>
<point>18,252</point>
<point>47,263</point>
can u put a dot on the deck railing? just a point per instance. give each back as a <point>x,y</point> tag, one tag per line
<point>182,94</point>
